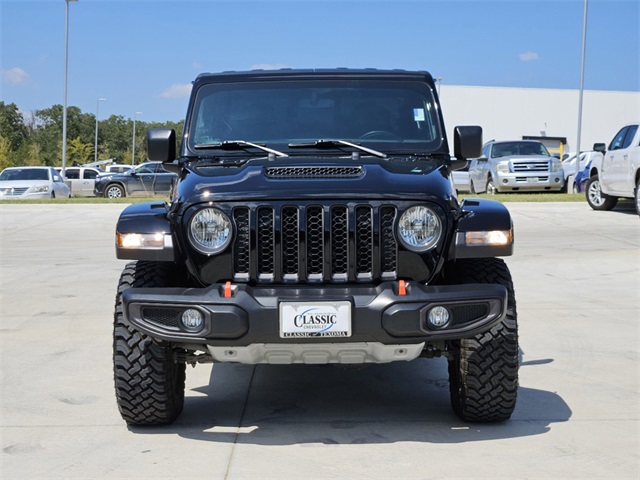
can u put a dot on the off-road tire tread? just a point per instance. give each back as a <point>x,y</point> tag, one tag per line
<point>149,384</point>
<point>483,378</point>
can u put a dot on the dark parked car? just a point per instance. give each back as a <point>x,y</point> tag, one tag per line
<point>146,180</point>
<point>314,221</point>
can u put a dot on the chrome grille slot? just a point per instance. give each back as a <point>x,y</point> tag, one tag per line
<point>290,243</point>
<point>266,244</point>
<point>388,244</point>
<point>364,240</point>
<point>339,243</point>
<point>242,246</point>
<point>315,243</point>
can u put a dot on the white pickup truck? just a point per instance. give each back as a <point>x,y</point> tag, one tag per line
<point>81,180</point>
<point>617,173</point>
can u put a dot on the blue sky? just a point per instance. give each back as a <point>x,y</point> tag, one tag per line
<point>142,54</point>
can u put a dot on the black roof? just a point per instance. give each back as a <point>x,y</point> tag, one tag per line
<point>287,73</point>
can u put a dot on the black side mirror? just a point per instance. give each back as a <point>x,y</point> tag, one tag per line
<point>161,144</point>
<point>467,142</point>
<point>600,147</point>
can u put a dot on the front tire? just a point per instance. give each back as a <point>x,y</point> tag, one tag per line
<point>638,197</point>
<point>491,187</point>
<point>483,374</point>
<point>595,198</point>
<point>149,382</point>
<point>114,191</point>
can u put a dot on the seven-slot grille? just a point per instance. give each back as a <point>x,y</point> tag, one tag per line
<point>314,243</point>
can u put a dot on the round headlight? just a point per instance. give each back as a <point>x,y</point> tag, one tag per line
<point>210,231</point>
<point>419,228</point>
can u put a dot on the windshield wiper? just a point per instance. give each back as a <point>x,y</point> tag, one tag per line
<point>337,143</point>
<point>238,145</point>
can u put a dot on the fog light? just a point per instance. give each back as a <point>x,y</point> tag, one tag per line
<point>192,319</point>
<point>438,317</point>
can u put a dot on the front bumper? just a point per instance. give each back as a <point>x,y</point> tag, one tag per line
<point>538,181</point>
<point>251,315</point>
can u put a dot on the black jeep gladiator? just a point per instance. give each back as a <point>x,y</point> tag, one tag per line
<point>314,221</point>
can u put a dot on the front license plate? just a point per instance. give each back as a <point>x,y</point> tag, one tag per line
<point>532,179</point>
<point>315,319</point>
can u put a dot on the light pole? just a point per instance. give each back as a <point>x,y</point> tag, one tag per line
<point>584,48</point>
<point>133,146</point>
<point>439,80</point>
<point>95,158</point>
<point>66,68</point>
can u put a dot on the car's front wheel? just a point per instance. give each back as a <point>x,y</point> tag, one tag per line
<point>491,187</point>
<point>114,191</point>
<point>483,371</point>
<point>149,381</point>
<point>638,197</point>
<point>595,198</point>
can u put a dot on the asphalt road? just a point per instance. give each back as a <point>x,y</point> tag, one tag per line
<point>577,281</point>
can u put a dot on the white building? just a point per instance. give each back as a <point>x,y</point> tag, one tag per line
<point>514,113</point>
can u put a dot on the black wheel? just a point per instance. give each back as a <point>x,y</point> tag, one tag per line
<point>114,191</point>
<point>595,198</point>
<point>491,187</point>
<point>483,374</point>
<point>149,383</point>
<point>638,197</point>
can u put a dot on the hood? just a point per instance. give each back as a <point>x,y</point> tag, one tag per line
<point>23,183</point>
<point>316,178</point>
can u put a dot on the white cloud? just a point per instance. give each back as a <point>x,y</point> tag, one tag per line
<point>197,65</point>
<point>177,90</point>
<point>529,56</point>
<point>14,76</point>
<point>269,66</point>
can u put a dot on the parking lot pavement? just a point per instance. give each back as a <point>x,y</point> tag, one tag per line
<point>576,275</point>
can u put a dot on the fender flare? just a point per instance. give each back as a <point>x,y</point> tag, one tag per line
<point>485,230</point>
<point>143,232</point>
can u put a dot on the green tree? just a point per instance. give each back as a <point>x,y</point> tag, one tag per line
<point>12,125</point>
<point>78,152</point>
<point>5,152</point>
<point>114,136</point>
<point>48,131</point>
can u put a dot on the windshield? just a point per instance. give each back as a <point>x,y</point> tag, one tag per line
<point>384,114</point>
<point>25,174</point>
<point>508,149</point>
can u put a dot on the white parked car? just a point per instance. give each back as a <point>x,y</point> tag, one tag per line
<point>617,173</point>
<point>25,183</point>
<point>461,179</point>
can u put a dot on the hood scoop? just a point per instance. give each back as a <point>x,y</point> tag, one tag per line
<point>314,172</point>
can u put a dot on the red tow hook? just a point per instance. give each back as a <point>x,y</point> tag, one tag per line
<point>227,291</point>
<point>402,288</point>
